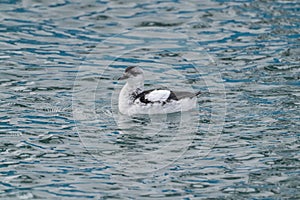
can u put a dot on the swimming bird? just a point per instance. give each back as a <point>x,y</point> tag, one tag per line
<point>133,99</point>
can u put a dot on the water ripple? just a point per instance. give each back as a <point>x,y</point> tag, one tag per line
<point>60,132</point>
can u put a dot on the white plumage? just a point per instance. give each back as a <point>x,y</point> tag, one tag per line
<point>158,95</point>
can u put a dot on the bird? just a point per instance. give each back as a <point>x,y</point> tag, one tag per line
<point>133,99</point>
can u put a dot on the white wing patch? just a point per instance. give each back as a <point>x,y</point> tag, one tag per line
<point>158,95</point>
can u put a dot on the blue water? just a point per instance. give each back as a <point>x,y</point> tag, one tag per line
<point>61,136</point>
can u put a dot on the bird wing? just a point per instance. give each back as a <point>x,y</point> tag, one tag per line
<point>154,95</point>
<point>158,95</point>
<point>163,95</point>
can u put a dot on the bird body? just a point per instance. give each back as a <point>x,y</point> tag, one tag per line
<point>133,99</point>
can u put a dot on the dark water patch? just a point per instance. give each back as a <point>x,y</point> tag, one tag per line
<point>157,24</point>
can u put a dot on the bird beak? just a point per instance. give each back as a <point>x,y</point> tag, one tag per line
<point>123,77</point>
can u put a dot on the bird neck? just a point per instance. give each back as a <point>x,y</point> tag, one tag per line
<point>135,84</point>
<point>128,94</point>
<point>131,88</point>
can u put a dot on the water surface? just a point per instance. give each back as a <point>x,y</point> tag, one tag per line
<point>61,136</point>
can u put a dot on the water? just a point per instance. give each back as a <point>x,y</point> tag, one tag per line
<point>61,134</point>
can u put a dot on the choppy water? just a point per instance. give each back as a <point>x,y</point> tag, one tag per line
<point>61,136</point>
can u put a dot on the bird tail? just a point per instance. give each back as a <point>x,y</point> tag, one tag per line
<point>198,93</point>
